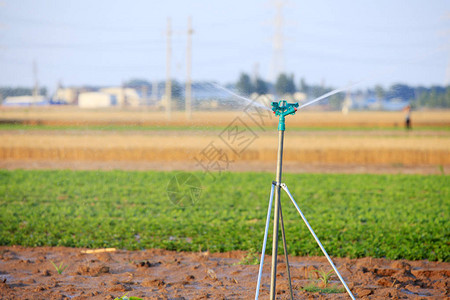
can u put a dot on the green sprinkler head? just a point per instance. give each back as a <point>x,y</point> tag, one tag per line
<point>282,109</point>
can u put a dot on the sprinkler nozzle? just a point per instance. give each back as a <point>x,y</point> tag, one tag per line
<point>283,109</point>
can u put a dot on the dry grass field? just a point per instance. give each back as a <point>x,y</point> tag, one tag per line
<point>77,116</point>
<point>222,139</point>
<point>112,146</point>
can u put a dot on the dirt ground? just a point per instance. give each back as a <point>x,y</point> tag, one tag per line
<point>27,273</point>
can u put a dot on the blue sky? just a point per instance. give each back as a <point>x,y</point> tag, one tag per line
<point>335,42</point>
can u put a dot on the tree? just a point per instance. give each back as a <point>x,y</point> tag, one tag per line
<point>261,87</point>
<point>335,101</point>
<point>20,91</point>
<point>438,97</point>
<point>244,85</point>
<point>303,86</point>
<point>137,83</point>
<point>379,92</point>
<point>446,97</point>
<point>285,84</point>
<point>401,91</point>
<point>177,98</point>
<point>318,90</point>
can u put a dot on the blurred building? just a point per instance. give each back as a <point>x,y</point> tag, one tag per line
<point>96,100</point>
<point>66,95</point>
<point>300,97</point>
<point>124,96</point>
<point>347,104</point>
<point>25,101</point>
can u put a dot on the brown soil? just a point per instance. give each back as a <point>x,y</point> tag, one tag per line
<point>27,273</point>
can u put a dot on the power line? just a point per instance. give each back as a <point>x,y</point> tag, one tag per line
<point>72,26</point>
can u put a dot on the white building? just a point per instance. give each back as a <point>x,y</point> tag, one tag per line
<point>124,96</point>
<point>25,101</point>
<point>96,100</point>
<point>67,95</point>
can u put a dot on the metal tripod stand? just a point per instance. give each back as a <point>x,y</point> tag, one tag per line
<point>282,109</point>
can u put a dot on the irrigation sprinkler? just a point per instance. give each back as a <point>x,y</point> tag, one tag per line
<point>282,109</point>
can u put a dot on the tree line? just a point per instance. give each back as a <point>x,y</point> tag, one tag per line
<point>417,96</point>
<point>19,91</point>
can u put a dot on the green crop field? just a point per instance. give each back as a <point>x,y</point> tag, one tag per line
<point>393,216</point>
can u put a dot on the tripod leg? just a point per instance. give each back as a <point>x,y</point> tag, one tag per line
<point>318,241</point>
<point>261,263</point>
<point>283,235</point>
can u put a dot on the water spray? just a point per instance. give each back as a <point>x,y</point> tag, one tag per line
<point>249,101</point>
<point>282,109</point>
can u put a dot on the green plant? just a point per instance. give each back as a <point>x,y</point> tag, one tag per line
<point>324,277</point>
<point>356,215</point>
<point>252,258</point>
<point>125,297</point>
<point>313,288</point>
<point>61,268</point>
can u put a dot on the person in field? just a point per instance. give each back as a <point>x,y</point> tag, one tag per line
<point>407,110</point>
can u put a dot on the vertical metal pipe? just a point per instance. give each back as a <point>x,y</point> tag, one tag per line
<point>283,237</point>
<point>276,216</point>
<point>263,252</point>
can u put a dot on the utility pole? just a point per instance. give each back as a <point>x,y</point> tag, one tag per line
<point>144,95</point>
<point>255,72</point>
<point>278,40</point>
<point>188,90</point>
<point>123,94</point>
<point>36,83</point>
<point>447,69</point>
<point>447,73</point>
<point>154,91</point>
<point>168,66</point>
